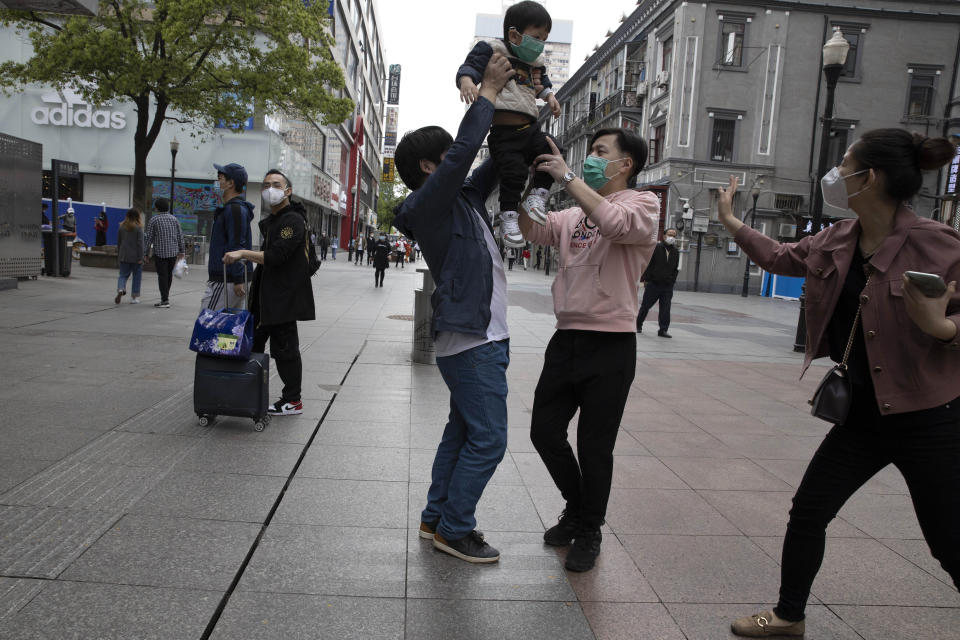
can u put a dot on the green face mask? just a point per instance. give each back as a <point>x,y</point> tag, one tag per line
<point>529,48</point>
<point>595,171</point>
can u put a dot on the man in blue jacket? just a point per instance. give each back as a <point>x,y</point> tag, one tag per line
<point>445,214</point>
<point>230,232</point>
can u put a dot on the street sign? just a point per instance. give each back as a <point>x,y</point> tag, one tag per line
<point>393,92</point>
<point>700,224</point>
<point>952,173</point>
<point>67,169</point>
<point>388,170</point>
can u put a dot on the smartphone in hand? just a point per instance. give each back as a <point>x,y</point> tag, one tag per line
<point>929,284</point>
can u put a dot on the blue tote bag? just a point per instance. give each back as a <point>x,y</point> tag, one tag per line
<point>227,333</point>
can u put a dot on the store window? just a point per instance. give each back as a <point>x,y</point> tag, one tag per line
<point>68,188</point>
<point>657,143</point>
<point>666,54</point>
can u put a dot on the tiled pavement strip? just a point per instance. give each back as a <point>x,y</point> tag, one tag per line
<point>120,517</point>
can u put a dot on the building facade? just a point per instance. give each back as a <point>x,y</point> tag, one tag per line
<point>324,163</point>
<point>736,87</point>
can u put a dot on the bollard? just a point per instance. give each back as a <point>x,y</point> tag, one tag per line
<point>424,351</point>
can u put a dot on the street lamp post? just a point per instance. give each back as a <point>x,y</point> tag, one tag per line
<point>174,147</point>
<point>755,193</point>
<point>834,56</point>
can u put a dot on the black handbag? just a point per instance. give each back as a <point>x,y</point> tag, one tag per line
<point>834,395</point>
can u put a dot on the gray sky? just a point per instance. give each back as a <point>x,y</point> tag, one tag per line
<point>430,39</point>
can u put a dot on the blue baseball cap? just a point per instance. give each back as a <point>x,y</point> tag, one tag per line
<point>235,172</point>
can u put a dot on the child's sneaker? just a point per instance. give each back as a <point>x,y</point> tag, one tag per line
<point>536,205</point>
<point>281,408</point>
<point>120,294</point>
<point>511,229</point>
<point>134,300</point>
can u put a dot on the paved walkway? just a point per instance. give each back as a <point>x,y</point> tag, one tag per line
<point>120,517</point>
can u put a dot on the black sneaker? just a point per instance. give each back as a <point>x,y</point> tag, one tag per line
<point>562,533</point>
<point>583,554</point>
<point>162,305</point>
<point>664,334</point>
<point>471,548</point>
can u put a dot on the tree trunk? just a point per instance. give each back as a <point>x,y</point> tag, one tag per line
<point>141,149</point>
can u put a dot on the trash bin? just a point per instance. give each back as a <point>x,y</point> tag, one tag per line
<point>424,350</point>
<point>65,250</point>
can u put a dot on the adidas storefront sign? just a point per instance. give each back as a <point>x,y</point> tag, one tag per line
<point>72,111</point>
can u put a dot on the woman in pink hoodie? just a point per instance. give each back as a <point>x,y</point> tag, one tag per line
<point>605,243</point>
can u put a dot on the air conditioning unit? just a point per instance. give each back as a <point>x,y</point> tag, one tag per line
<point>663,78</point>
<point>642,89</point>
<point>788,231</point>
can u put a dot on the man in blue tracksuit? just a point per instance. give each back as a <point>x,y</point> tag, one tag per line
<point>445,214</point>
<point>230,232</point>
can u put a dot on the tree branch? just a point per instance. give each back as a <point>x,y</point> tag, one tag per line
<point>35,18</point>
<point>196,67</point>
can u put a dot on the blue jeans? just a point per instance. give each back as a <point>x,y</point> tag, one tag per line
<point>126,268</point>
<point>475,438</point>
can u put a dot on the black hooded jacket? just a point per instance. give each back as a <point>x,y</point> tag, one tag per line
<point>281,290</point>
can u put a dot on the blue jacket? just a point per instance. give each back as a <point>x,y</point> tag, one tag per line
<point>446,216</point>
<point>230,232</point>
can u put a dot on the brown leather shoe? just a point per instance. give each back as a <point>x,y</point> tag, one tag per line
<point>758,626</point>
<point>427,529</point>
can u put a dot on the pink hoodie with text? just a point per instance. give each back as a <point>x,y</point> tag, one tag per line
<point>601,259</point>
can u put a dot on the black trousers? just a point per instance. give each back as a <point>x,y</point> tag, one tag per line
<point>323,253</point>
<point>592,371</point>
<point>513,148</point>
<point>164,268</point>
<point>359,256</point>
<point>653,294</point>
<point>285,351</point>
<point>378,276</point>
<point>924,446</point>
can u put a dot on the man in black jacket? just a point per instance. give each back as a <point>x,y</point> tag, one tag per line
<point>660,276</point>
<point>281,293</point>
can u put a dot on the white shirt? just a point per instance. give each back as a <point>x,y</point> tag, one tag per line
<point>449,343</point>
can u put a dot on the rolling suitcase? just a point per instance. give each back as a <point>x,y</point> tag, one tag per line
<point>232,387</point>
<point>240,388</point>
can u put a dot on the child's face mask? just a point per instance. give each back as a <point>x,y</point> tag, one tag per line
<point>529,48</point>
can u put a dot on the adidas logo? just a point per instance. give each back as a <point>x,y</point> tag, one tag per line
<point>73,111</point>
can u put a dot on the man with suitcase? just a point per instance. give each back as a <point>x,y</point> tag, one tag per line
<point>281,293</point>
<point>230,232</point>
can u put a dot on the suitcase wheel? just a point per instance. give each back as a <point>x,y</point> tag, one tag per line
<point>260,424</point>
<point>206,420</point>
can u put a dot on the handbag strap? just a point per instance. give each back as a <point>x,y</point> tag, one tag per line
<point>853,329</point>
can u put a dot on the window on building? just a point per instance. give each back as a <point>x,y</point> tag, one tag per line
<point>923,84</point>
<point>666,54</point>
<point>657,143</point>
<point>837,144</point>
<point>721,142</point>
<point>731,42</point>
<point>854,34</point>
<point>351,65</point>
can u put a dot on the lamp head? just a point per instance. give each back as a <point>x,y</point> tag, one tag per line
<point>836,49</point>
<point>174,146</point>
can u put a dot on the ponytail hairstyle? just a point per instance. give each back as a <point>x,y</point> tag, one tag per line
<point>901,156</point>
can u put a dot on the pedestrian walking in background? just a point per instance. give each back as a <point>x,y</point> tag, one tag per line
<point>660,277</point>
<point>539,258</point>
<point>359,252</point>
<point>100,226</point>
<point>398,252</point>
<point>605,242</point>
<point>416,249</point>
<point>525,256</point>
<point>324,245</point>
<point>281,293</point>
<point>381,259</point>
<point>334,245</point>
<point>164,239</point>
<point>371,241</point>
<point>230,232</point>
<point>469,317</point>
<point>130,255</point>
<point>901,350</point>
<point>511,258</point>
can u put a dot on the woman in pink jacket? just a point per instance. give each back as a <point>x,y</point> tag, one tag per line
<point>605,243</point>
<point>904,363</point>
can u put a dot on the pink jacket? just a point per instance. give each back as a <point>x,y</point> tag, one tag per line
<point>911,370</point>
<point>601,259</point>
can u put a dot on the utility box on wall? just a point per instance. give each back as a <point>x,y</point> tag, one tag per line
<point>21,188</point>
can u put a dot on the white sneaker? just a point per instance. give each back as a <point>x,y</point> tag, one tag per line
<point>511,229</point>
<point>134,300</point>
<point>536,205</point>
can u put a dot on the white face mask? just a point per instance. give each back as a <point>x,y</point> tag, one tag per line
<point>273,196</point>
<point>670,239</point>
<point>834,188</point>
